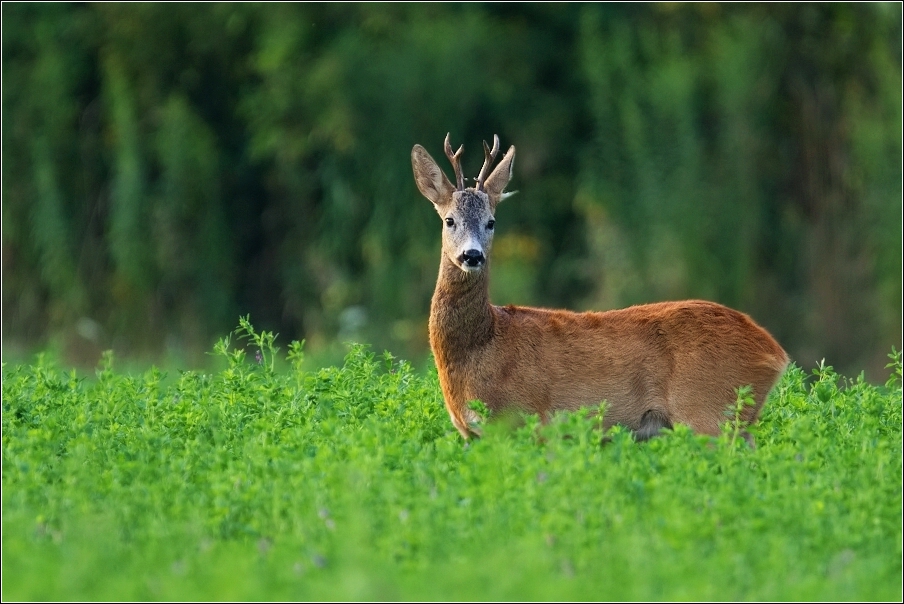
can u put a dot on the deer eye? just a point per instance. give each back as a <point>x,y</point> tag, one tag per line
<point>450,222</point>
<point>490,225</point>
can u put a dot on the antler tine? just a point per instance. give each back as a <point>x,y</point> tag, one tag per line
<point>489,157</point>
<point>456,164</point>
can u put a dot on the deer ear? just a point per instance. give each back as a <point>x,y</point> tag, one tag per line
<point>497,181</point>
<point>431,181</point>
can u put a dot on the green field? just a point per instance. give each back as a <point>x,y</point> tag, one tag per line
<point>265,481</point>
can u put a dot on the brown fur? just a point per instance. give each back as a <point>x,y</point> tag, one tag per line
<point>656,364</point>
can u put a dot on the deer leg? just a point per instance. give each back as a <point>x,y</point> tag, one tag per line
<point>749,438</point>
<point>650,424</point>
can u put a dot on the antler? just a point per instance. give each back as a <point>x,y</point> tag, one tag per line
<point>456,164</point>
<point>489,156</point>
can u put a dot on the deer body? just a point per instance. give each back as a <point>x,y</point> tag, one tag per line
<point>655,364</point>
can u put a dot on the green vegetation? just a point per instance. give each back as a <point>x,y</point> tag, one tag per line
<point>264,481</point>
<point>168,167</point>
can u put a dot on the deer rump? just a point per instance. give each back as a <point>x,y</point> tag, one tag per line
<point>655,364</point>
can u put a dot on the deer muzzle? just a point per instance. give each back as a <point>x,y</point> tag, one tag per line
<point>472,259</point>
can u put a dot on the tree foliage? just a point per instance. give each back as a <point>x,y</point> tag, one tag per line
<point>167,167</point>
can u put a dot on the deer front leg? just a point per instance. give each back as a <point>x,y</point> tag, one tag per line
<point>465,420</point>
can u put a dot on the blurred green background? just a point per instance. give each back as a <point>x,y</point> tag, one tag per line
<point>168,167</point>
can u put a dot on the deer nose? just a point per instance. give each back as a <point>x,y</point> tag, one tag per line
<point>472,258</point>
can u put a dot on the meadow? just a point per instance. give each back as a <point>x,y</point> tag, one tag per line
<point>266,480</point>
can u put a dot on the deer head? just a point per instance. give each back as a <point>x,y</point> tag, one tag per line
<point>467,213</point>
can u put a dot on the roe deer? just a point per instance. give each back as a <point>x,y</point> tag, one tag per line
<point>655,364</point>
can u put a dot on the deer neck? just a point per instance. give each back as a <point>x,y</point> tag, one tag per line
<point>461,318</point>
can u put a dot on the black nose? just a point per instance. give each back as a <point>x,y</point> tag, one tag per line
<point>472,258</point>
